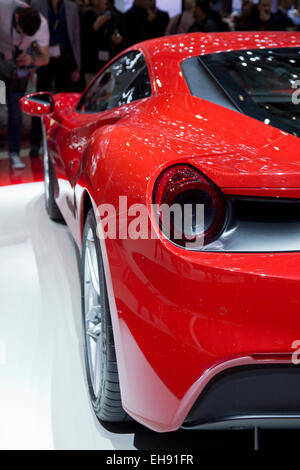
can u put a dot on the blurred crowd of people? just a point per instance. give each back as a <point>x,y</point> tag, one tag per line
<point>66,42</point>
<point>105,31</point>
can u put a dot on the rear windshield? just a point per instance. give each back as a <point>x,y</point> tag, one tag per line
<point>261,83</point>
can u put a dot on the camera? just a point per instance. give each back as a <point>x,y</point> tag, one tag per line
<point>19,81</point>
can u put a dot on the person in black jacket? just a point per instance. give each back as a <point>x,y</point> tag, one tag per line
<point>136,22</point>
<point>204,18</point>
<point>108,34</point>
<point>281,19</point>
<point>88,49</point>
<point>261,17</point>
<point>158,20</point>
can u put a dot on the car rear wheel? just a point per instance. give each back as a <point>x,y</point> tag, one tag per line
<point>99,347</point>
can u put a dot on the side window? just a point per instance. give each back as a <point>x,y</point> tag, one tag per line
<point>124,81</point>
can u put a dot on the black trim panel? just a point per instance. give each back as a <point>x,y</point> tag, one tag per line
<point>249,394</point>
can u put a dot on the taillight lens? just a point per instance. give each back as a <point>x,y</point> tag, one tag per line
<point>200,209</point>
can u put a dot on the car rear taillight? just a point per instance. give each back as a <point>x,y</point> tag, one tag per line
<point>197,208</point>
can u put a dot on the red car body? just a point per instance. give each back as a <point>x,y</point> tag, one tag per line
<point>182,317</point>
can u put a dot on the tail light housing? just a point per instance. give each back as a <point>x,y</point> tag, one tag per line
<point>189,191</point>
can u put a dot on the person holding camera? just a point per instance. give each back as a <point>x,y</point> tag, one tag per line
<point>24,45</point>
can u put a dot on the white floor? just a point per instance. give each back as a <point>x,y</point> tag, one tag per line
<point>43,397</point>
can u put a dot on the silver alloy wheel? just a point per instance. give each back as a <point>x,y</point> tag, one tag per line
<point>92,313</point>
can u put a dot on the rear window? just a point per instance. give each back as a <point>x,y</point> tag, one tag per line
<point>261,83</point>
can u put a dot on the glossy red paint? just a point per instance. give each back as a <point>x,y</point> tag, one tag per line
<point>38,104</point>
<point>179,316</point>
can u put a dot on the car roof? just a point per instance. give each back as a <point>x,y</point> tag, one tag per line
<point>185,45</point>
<point>168,52</point>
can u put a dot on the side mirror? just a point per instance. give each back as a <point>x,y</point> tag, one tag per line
<point>38,104</point>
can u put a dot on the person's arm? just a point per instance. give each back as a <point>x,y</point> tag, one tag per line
<point>42,58</point>
<point>100,21</point>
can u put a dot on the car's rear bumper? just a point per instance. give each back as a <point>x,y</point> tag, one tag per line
<point>181,318</point>
<point>249,422</point>
<point>266,395</point>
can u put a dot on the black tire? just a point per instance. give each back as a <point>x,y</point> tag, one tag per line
<point>107,404</point>
<point>51,206</point>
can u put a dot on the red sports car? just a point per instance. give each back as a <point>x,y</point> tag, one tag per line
<point>198,327</point>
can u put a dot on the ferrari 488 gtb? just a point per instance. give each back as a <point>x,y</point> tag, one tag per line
<point>200,330</point>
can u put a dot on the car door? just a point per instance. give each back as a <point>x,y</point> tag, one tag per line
<point>105,101</point>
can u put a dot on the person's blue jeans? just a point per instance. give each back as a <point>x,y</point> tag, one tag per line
<point>14,119</point>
